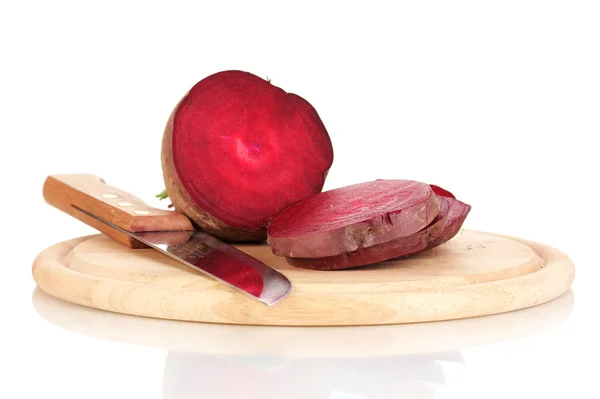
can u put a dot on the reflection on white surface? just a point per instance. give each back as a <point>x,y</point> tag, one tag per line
<point>228,361</point>
<point>383,377</point>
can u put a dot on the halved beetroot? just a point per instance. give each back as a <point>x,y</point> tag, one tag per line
<point>237,149</point>
<point>347,219</point>
<point>397,248</point>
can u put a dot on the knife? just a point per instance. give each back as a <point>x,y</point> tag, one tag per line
<point>133,223</point>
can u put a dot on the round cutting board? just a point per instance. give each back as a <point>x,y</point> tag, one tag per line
<point>473,274</point>
<point>303,342</point>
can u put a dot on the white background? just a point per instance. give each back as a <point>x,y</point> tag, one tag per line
<point>497,101</point>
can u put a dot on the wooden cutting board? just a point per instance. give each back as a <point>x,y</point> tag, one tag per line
<point>473,274</point>
<point>302,342</point>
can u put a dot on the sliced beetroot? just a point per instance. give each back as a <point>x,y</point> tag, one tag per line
<point>443,228</point>
<point>442,216</point>
<point>397,248</point>
<point>441,191</point>
<point>457,214</point>
<point>347,219</point>
<point>237,149</point>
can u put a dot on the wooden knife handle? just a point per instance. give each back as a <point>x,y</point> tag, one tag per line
<point>92,194</point>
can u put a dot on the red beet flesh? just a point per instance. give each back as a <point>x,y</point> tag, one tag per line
<point>378,253</point>
<point>347,219</point>
<point>244,148</point>
<point>443,228</point>
<point>442,192</point>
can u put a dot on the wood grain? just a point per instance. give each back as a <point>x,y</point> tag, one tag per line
<point>474,274</point>
<point>302,342</point>
<point>91,193</point>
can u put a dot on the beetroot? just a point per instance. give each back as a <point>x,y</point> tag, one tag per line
<point>397,248</point>
<point>237,149</point>
<point>347,219</point>
<point>447,223</point>
<point>442,192</point>
<point>441,219</point>
<point>456,216</point>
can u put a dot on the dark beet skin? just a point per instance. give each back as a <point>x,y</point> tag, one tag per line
<point>378,253</point>
<point>456,217</point>
<point>444,211</point>
<point>237,149</point>
<point>347,219</point>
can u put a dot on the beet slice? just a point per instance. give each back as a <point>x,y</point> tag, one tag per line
<point>458,212</point>
<point>397,248</point>
<point>443,228</point>
<point>237,149</point>
<point>441,191</point>
<point>353,217</point>
<point>441,217</point>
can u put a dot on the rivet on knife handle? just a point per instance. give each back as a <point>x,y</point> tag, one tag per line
<point>68,192</point>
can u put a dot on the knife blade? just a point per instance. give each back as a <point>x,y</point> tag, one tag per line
<point>131,222</point>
